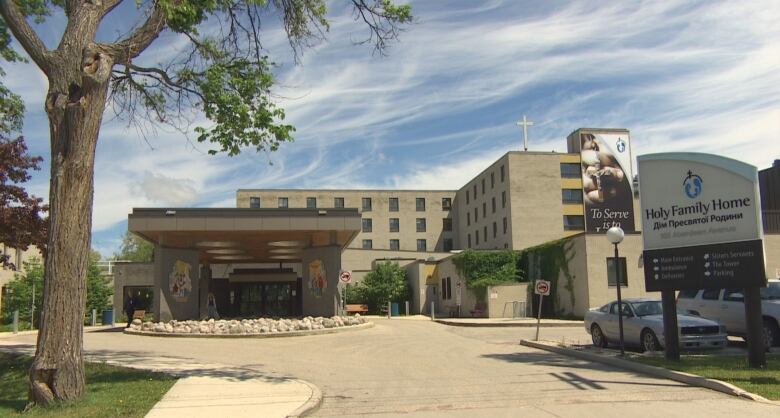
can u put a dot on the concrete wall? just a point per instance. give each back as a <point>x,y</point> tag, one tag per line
<point>499,299</point>
<point>481,203</point>
<point>379,214</point>
<point>599,292</point>
<point>446,268</point>
<point>167,305</point>
<point>130,274</point>
<point>321,302</point>
<point>772,255</point>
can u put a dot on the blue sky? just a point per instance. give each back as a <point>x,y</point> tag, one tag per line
<point>681,75</point>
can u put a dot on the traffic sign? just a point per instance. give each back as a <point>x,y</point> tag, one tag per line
<point>542,287</point>
<point>345,276</point>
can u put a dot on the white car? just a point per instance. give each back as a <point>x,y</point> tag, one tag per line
<point>643,326</point>
<point>727,306</point>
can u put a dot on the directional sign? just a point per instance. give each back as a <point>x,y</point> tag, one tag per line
<point>345,276</point>
<point>542,287</point>
<point>713,266</point>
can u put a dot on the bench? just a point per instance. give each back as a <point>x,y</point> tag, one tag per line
<point>357,308</point>
<point>479,310</point>
<point>139,314</point>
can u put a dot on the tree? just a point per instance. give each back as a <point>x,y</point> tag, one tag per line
<point>21,223</point>
<point>20,290</point>
<point>99,289</point>
<point>135,249</point>
<point>223,72</point>
<point>385,283</point>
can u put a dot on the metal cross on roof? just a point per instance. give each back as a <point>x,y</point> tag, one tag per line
<point>525,123</point>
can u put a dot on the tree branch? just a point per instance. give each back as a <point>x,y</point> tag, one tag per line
<point>130,47</point>
<point>23,33</point>
<point>109,5</point>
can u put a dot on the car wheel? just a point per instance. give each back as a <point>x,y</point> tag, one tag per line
<point>650,341</point>
<point>599,340</point>
<point>770,334</point>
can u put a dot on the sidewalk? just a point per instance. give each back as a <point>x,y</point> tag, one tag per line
<point>507,322</point>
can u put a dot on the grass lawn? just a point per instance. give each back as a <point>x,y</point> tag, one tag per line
<point>111,391</point>
<point>23,326</point>
<point>730,369</point>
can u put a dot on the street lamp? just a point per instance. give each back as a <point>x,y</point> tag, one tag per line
<point>615,236</point>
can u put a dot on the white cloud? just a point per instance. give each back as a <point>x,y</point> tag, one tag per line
<point>167,191</point>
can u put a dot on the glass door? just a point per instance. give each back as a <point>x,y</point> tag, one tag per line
<point>250,300</point>
<point>277,298</point>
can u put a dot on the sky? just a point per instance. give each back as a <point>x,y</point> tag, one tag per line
<point>699,76</point>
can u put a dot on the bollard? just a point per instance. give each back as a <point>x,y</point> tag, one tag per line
<point>433,311</point>
<point>389,307</point>
<point>94,317</point>
<point>407,308</point>
<point>16,321</point>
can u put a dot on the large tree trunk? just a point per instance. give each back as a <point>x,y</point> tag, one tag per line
<point>74,104</point>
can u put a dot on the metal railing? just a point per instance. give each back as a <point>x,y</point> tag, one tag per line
<point>519,309</point>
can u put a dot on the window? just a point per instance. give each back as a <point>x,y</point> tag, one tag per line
<point>282,202</point>
<point>368,244</point>
<point>476,210</point>
<point>338,202</point>
<point>475,191</point>
<point>483,186</point>
<point>394,244</point>
<point>624,308</point>
<point>393,204</point>
<point>468,218</point>
<point>422,245</point>
<point>495,229</point>
<point>467,196</point>
<point>502,174</point>
<point>419,204</point>
<point>484,209</point>
<point>573,222</point>
<point>688,294</point>
<point>447,244</point>
<point>366,204</point>
<point>449,288</point>
<point>446,224</point>
<point>484,230</point>
<point>493,204</point>
<point>394,225</point>
<point>444,288</point>
<point>505,225</point>
<point>492,180</point>
<point>710,294</point>
<point>611,271</point>
<point>446,203</point>
<point>311,202</point>
<point>503,199</point>
<point>570,170</point>
<point>368,225</point>
<point>468,240</point>
<point>420,223</point>
<point>476,237</point>
<point>254,202</point>
<point>18,259</point>
<point>731,295</point>
<point>571,195</point>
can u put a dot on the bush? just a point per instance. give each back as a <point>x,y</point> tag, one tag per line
<point>386,283</point>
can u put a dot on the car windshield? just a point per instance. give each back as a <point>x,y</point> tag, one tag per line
<point>771,292</point>
<point>651,307</point>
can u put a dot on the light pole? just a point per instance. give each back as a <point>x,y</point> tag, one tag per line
<point>615,236</point>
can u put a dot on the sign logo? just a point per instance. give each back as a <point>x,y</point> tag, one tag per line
<point>692,185</point>
<point>621,145</point>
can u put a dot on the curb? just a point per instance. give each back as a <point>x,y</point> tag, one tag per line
<point>311,405</point>
<point>502,325</point>
<point>687,378</point>
<point>267,335</point>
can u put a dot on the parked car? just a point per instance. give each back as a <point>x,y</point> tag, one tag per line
<point>727,306</point>
<point>643,326</point>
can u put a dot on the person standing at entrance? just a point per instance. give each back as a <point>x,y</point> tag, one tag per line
<point>130,303</point>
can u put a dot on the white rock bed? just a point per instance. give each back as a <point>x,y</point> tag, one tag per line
<point>246,326</point>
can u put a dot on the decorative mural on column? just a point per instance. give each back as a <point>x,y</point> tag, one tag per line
<point>318,281</point>
<point>179,282</point>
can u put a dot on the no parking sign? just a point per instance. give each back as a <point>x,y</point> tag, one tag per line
<point>542,287</point>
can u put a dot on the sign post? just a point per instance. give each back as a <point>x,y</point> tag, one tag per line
<point>541,288</point>
<point>701,229</point>
<point>345,277</point>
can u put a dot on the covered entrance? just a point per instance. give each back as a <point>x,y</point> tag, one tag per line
<point>247,262</point>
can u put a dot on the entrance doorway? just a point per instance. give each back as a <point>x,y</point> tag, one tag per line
<point>266,299</point>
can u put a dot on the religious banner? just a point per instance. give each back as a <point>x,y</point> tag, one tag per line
<point>318,280</point>
<point>179,282</point>
<point>606,181</point>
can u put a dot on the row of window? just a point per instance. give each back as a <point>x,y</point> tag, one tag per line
<point>484,188</point>
<point>366,203</point>
<point>422,244</point>
<point>484,209</point>
<point>485,233</point>
<point>395,224</point>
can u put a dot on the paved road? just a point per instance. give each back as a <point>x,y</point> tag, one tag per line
<point>422,369</point>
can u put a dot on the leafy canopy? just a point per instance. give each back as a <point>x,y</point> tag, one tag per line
<point>135,249</point>
<point>487,268</point>
<point>385,283</point>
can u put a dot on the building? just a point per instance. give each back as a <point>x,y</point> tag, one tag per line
<point>280,251</point>
<point>17,257</point>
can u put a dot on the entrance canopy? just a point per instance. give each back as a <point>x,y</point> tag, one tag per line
<point>242,235</point>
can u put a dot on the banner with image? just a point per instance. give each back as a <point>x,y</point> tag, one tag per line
<point>606,181</point>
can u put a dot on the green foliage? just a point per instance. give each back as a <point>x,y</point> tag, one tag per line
<point>99,289</point>
<point>19,292</point>
<point>482,269</point>
<point>386,283</point>
<point>549,261</point>
<point>135,249</point>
